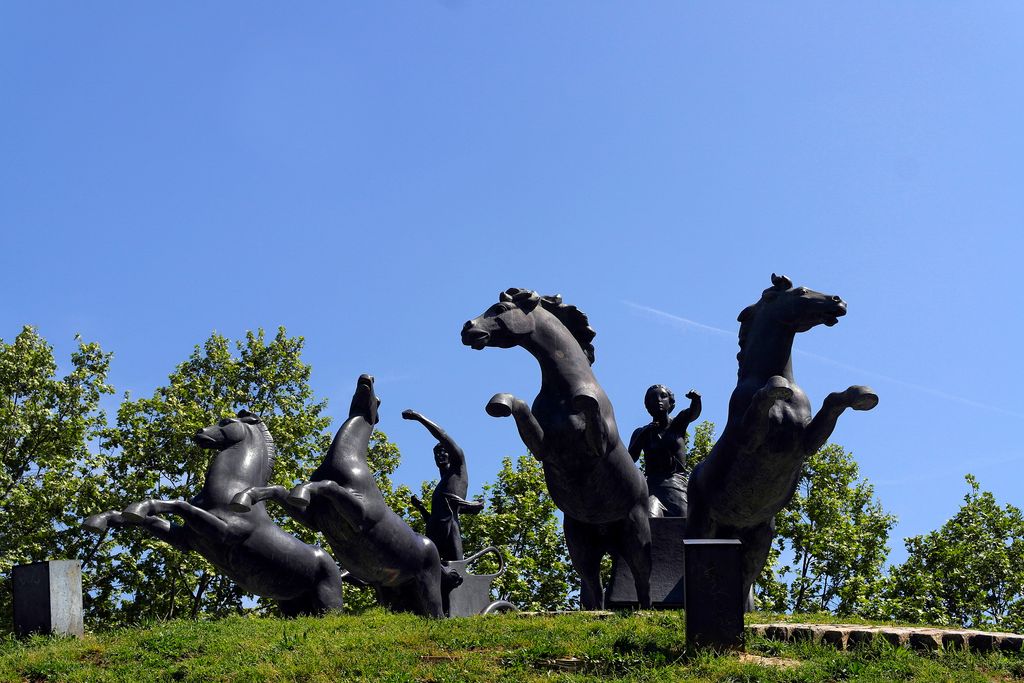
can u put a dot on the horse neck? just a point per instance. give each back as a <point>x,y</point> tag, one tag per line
<point>350,443</point>
<point>237,467</point>
<point>563,365</point>
<point>768,351</point>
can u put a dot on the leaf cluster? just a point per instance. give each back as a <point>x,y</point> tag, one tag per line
<point>968,572</point>
<point>49,476</point>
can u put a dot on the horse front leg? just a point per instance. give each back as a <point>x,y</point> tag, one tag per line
<point>755,419</point>
<point>595,429</point>
<point>245,500</point>
<point>199,520</point>
<point>821,427</point>
<point>349,504</point>
<point>503,405</point>
<point>157,526</point>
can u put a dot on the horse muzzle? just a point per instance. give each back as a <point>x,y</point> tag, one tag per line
<point>474,337</point>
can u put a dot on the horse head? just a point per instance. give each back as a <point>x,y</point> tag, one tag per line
<point>365,401</point>
<point>797,308</point>
<point>513,320</point>
<point>505,324</point>
<point>247,439</point>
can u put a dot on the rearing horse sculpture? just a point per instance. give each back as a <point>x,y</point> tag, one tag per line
<point>754,468</point>
<point>250,549</point>
<point>571,430</point>
<point>342,500</point>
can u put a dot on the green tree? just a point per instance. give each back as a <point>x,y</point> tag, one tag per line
<point>969,572</point>
<point>157,459</point>
<point>835,531</point>
<point>519,518</point>
<point>49,476</point>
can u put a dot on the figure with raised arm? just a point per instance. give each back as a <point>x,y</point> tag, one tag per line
<point>449,497</point>
<point>663,446</point>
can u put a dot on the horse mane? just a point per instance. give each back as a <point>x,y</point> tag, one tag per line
<point>748,314</point>
<point>574,320</point>
<point>268,440</point>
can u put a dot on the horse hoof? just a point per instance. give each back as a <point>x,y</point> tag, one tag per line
<point>864,398</point>
<point>242,502</point>
<point>299,497</point>
<point>95,523</point>
<point>136,512</point>
<point>500,405</point>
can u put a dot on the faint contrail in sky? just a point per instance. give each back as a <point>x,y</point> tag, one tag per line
<point>824,359</point>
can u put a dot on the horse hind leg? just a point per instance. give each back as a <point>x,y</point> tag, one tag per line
<point>757,543</point>
<point>586,547</point>
<point>633,542</point>
<point>426,587</point>
<point>821,427</point>
<point>328,590</point>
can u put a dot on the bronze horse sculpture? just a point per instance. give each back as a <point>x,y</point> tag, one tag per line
<point>571,430</point>
<point>250,549</point>
<point>753,469</point>
<point>342,500</point>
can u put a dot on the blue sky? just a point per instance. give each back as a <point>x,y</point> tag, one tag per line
<point>370,175</point>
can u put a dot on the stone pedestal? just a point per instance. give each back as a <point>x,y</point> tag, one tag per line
<point>48,598</point>
<point>714,594</point>
<point>666,569</point>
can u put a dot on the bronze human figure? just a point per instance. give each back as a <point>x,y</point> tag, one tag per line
<point>571,430</point>
<point>342,501</point>
<point>753,469</point>
<point>449,497</point>
<point>250,549</point>
<point>663,446</point>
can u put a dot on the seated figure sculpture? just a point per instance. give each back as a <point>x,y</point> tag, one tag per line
<point>449,497</point>
<point>250,549</point>
<point>663,446</point>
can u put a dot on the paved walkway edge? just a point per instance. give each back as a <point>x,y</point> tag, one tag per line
<point>843,636</point>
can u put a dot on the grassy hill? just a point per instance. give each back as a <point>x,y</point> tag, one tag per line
<point>379,646</point>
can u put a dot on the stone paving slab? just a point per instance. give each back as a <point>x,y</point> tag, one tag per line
<point>843,636</point>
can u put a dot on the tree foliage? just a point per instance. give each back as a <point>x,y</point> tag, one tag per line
<point>519,518</point>
<point>49,476</point>
<point>156,458</point>
<point>835,533</point>
<point>969,572</point>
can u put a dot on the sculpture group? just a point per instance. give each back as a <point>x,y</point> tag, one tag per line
<point>591,475</point>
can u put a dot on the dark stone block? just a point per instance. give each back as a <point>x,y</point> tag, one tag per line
<point>48,598</point>
<point>714,593</point>
<point>666,569</point>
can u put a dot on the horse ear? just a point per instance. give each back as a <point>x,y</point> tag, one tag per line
<point>525,299</point>
<point>505,297</point>
<point>248,418</point>
<point>781,282</point>
<point>746,313</point>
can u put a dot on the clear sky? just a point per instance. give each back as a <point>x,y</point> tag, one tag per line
<point>370,175</point>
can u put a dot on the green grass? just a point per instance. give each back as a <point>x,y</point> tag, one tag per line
<point>378,646</point>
